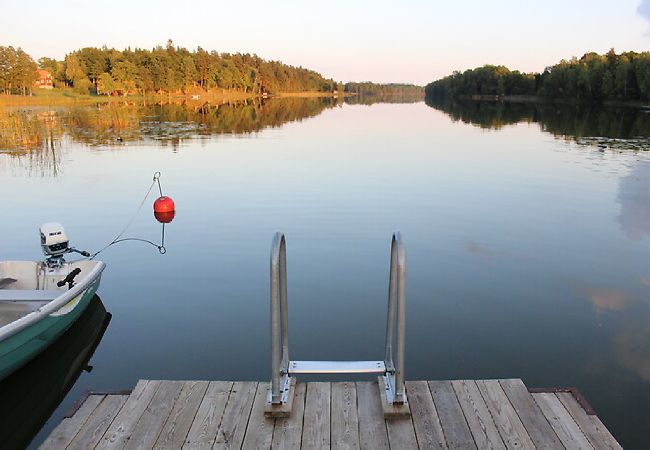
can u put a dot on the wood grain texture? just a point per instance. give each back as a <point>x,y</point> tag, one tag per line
<point>124,424</point>
<point>452,418</point>
<point>372,426</point>
<point>469,414</point>
<point>287,434</point>
<point>259,433</point>
<point>401,434</point>
<point>505,417</point>
<point>316,425</point>
<point>180,420</point>
<point>92,431</point>
<point>235,417</point>
<point>146,431</point>
<point>66,431</point>
<point>479,419</point>
<point>565,427</point>
<point>344,416</point>
<point>425,417</point>
<point>203,431</point>
<point>591,426</point>
<point>537,426</point>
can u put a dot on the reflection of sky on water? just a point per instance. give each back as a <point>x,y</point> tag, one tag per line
<point>604,299</point>
<point>628,313</point>
<point>480,251</point>
<point>632,344</point>
<point>634,198</point>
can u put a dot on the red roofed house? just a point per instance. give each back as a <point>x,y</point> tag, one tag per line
<point>44,80</point>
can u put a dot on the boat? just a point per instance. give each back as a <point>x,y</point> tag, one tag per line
<point>40,300</point>
<point>32,393</point>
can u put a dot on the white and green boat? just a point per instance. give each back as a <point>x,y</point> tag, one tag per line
<point>40,300</point>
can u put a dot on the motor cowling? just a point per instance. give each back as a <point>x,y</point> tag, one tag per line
<point>54,240</point>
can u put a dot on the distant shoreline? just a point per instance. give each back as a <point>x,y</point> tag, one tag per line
<point>62,97</point>
<point>538,99</point>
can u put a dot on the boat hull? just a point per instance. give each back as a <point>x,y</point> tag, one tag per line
<point>31,394</point>
<point>20,348</point>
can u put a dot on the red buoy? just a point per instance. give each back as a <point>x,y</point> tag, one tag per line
<point>164,209</point>
<point>164,217</point>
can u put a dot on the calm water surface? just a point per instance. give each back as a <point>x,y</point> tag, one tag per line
<point>528,239</point>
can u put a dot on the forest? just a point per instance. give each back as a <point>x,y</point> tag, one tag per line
<point>168,69</point>
<point>369,89</point>
<point>17,71</point>
<point>177,70</point>
<point>592,78</point>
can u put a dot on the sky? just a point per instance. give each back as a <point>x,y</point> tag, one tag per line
<point>382,41</point>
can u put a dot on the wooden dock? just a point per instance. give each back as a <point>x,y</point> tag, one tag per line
<point>468,414</point>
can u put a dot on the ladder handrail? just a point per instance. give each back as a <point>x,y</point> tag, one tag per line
<point>396,318</point>
<point>396,313</point>
<point>279,314</point>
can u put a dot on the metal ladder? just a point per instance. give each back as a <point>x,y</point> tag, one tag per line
<point>391,385</point>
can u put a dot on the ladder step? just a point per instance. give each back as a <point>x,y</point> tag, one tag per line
<point>306,367</point>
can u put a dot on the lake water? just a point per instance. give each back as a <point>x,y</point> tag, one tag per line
<point>527,231</point>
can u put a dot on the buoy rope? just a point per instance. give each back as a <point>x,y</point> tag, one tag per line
<point>161,248</point>
<point>156,179</point>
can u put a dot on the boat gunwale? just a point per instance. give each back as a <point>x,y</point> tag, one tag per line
<point>37,315</point>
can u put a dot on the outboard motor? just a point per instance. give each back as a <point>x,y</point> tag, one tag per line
<point>54,241</point>
<point>55,244</point>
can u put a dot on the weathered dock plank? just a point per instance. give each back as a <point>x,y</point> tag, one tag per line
<point>537,426</point>
<point>287,434</point>
<point>453,421</point>
<point>154,416</point>
<point>510,428</point>
<point>479,419</point>
<point>491,414</point>
<point>124,424</point>
<point>180,419</point>
<point>203,431</point>
<point>372,426</point>
<point>65,432</point>
<point>590,425</point>
<point>259,433</point>
<point>425,417</point>
<point>401,434</point>
<point>565,427</point>
<point>92,431</point>
<point>344,416</point>
<point>235,417</point>
<point>316,421</point>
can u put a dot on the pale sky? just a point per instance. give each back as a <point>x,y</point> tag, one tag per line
<point>382,41</point>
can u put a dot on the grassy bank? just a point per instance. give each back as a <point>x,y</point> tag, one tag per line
<point>45,97</point>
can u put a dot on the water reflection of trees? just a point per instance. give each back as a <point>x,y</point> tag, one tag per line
<point>402,97</point>
<point>606,126</point>
<point>34,137</point>
<point>22,131</point>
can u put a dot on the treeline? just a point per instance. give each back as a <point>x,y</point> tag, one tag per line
<point>172,69</point>
<point>592,78</point>
<point>17,71</point>
<point>369,89</point>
